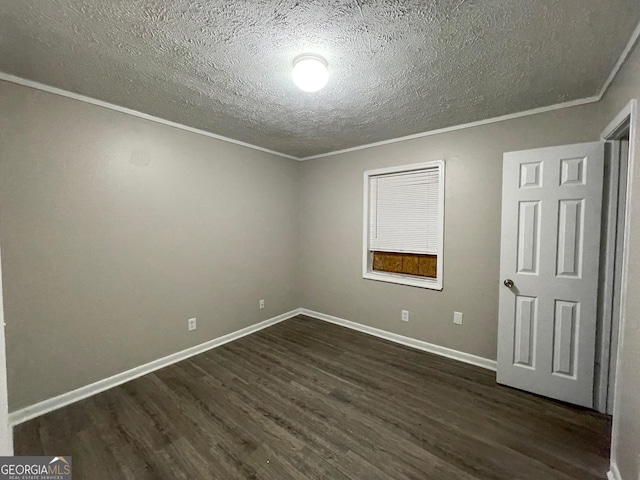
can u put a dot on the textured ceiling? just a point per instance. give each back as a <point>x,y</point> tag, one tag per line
<point>397,67</point>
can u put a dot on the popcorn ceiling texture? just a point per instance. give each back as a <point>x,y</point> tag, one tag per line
<point>397,67</point>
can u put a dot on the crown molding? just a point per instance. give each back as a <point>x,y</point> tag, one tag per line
<point>583,101</point>
<point>487,121</point>
<point>574,103</point>
<point>75,96</point>
<point>623,56</point>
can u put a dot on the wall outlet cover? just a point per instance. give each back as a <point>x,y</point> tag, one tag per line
<point>457,318</point>
<point>405,315</point>
<point>191,324</point>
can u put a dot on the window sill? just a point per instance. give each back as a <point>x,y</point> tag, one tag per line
<point>408,280</point>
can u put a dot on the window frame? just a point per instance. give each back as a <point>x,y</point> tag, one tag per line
<point>399,278</point>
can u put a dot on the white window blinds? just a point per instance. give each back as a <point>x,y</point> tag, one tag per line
<point>404,209</point>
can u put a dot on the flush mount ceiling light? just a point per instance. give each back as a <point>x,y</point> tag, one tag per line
<point>310,72</point>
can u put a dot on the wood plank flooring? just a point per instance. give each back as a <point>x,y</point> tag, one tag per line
<point>306,399</point>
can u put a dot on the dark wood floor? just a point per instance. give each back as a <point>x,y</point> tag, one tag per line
<point>306,399</point>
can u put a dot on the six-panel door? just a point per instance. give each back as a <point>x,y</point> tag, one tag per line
<point>551,207</point>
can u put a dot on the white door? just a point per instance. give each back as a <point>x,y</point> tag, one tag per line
<point>551,208</point>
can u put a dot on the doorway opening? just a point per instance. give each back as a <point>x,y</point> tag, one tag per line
<point>611,289</point>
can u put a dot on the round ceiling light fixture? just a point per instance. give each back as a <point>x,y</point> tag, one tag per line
<point>310,72</point>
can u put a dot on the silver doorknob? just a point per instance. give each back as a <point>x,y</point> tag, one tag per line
<point>508,283</point>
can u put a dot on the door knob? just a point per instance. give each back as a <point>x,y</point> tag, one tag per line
<point>508,283</point>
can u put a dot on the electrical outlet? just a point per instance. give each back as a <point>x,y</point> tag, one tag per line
<point>457,318</point>
<point>191,324</point>
<point>261,304</point>
<point>405,315</point>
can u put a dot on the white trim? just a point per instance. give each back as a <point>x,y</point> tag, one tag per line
<point>573,103</point>
<point>631,111</point>
<point>614,473</point>
<point>549,108</point>
<point>511,116</point>
<point>6,432</point>
<point>75,96</point>
<point>606,292</point>
<point>60,401</point>
<point>408,280</point>
<point>623,56</point>
<point>51,404</point>
<point>64,93</point>
<point>619,120</point>
<point>399,279</point>
<point>406,341</point>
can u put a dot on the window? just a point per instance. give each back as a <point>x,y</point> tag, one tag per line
<point>403,224</point>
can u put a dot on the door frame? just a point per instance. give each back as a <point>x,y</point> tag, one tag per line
<point>628,115</point>
<point>6,430</point>
<point>611,257</point>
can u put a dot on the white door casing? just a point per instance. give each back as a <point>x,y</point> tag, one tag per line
<point>6,432</point>
<point>616,290</point>
<point>551,215</point>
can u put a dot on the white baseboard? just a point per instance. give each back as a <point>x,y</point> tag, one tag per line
<point>51,404</point>
<point>407,341</point>
<point>614,473</point>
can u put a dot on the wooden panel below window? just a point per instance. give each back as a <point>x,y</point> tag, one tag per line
<point>406,263</point>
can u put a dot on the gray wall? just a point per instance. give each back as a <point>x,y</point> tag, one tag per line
<point>331,239</point>
<point>626,430</point>
<point>98,247</point>
<point>331,229</point>
<point>104,259</point>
